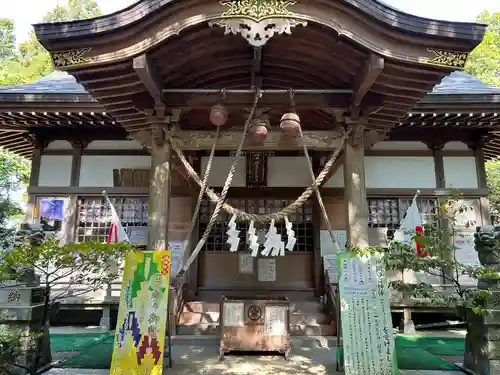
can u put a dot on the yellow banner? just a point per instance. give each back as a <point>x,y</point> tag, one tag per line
<point>141,325</point>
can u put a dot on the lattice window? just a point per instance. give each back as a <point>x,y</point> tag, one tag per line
<point>301,220</point>
<point>388,212</point>
<point>94,216</point>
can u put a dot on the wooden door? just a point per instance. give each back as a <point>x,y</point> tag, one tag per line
<point>219,269</point>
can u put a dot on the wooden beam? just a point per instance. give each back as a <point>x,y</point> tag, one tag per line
<point>148,75</point>
<point>365,78</point>
<point>229,140</point>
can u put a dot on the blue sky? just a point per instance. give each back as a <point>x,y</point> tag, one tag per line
<point>27,12</point>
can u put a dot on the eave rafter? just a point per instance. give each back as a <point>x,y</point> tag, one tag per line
<point>148,74</point>
<point>364,80</point>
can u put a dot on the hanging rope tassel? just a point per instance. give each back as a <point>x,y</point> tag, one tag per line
<point>315,185</point>
<point>203,189</point>
<point>266,218</point>
<point>225,189</point>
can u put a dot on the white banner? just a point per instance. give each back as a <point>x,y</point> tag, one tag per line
<point>367,331</point>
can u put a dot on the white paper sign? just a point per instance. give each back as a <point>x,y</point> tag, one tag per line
<point>326,245</point>
<point>368,337</point>
<point>275,320</point>
<point>245,261</point>
<point>466,254</point>
<point>138,235</point>
<point>177,256</point>
<point>266,269</point>
<point>331,264</point>
<point>233,314</point>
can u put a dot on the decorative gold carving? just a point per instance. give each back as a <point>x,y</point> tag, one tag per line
<point>453,59</point>
<point>257,20</point>
<point>258,33</point>
<point>257,10</point>
<point>64,59</point>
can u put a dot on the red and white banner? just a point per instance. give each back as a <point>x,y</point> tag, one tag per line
<point>116,231</point>
<point>410,226</point>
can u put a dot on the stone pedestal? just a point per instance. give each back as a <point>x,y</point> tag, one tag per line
<point>482,350</point>
<point>21,310</point>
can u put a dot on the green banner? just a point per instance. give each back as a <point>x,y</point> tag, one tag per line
<point>368,339</point>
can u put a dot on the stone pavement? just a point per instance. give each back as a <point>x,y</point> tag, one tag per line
<point>199,355</point>
<point>194,359</point>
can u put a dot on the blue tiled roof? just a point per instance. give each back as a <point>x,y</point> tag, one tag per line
<point>54,83</point>
<point>457,83</point>
<point>460,83</point>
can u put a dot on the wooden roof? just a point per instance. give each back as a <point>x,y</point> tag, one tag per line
<point>380,62</point>
<point>58,104</point>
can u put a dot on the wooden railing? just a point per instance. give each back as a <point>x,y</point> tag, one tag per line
<point>332,303</point>
<point>177,294</point>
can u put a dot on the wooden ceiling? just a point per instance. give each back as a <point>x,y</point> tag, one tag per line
<point>312,58</point>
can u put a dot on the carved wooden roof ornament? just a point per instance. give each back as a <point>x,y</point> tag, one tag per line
<point>258,20</point>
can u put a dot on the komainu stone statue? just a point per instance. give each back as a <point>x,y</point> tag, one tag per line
<point>31,235</point>
<point>482,344</point>
<point>487,244</point>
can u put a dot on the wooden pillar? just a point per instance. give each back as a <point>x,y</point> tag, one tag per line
<point>159,195</point>
<point>36,160</point>
<point>437,152</point>
<point>482,181</point>
<point>355,189</point>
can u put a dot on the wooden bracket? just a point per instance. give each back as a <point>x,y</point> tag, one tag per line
<point>364,80</point>
<point>147,73</point>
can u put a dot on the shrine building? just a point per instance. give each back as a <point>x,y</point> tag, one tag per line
<point>139,96</point>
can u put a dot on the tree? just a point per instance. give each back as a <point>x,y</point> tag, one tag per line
<point>87,265</point>
<point>10,350</point>
<point>469,302</point>
<point>14,174</point>
<point>7,38</point>
<point>493,175</point>
<point>31,61</point>
<point>484,61</point>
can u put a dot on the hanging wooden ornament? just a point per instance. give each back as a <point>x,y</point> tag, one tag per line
<point>259,131</point>
<point>218,115</point>
<point>290,124</point>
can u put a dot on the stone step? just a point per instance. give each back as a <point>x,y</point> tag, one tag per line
<point>203,307</point>
<point>295,329</point>
<point>308,342</point>
<point>189,318</point>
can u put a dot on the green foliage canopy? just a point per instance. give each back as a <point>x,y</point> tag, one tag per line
<point>484,61</point>
<point>493,175</point>
<point>31,61</point>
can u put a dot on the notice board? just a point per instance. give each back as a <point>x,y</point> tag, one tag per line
<point>367,331</point>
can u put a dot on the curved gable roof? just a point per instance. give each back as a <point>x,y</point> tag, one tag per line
<point>460,83</point>
<point>382,12</point>
<point>55,83</point>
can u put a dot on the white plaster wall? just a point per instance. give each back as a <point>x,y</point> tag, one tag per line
<point>55,170</point>
<point>220,169</point>
<point>286,171</point>
<point>456,146</point>
<point>399,172</point>
<point>337,180</point>
<point>460,172</point>
<point>115,145</point>
<point>98,170</point>
<point>59,145</point>
<point>400,145</point>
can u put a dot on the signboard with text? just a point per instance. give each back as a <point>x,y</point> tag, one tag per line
<point>367,331</point>
<point>141,325</point>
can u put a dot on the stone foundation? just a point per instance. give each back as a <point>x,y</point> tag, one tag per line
<point>21,311</point>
